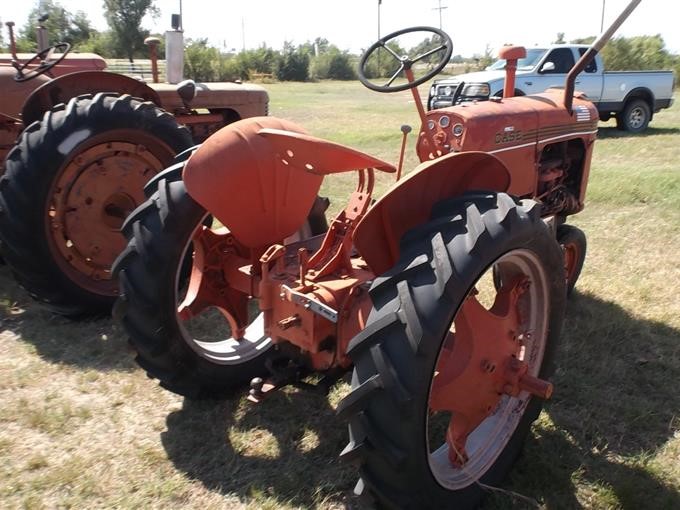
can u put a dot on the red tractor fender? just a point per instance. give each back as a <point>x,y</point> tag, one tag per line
<point>260,176</point>
<point>409,202</point>
<point>63,88</point>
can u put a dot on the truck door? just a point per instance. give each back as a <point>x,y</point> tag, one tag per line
<point>553,70</point>
<point>590,80</point>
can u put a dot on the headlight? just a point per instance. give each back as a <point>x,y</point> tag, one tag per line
<point>433,90</point>
<point>448,90</point>
<point>476,89</point>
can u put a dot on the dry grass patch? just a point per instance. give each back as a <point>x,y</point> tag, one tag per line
<point>81,426</point>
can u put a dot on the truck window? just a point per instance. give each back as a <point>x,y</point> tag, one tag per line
<point>592,67</point>
<point>563,58</point>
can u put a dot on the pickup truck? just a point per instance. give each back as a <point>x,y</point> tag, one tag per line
<point>632,97</point>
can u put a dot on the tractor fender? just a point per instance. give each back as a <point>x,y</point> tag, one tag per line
<point>63,88</point>
<point>409,202</point>
<point>243,180</point>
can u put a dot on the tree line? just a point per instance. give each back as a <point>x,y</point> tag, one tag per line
<point>318,59</point>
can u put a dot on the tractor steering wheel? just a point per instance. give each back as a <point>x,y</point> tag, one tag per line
<point>47,62</point>
<point>406,62</point>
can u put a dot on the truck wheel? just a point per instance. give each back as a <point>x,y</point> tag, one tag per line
<point>573,243</point>
<point>635,116</point>
<point>68,186</point>
<point>183,332</point>
<point>431,418</point>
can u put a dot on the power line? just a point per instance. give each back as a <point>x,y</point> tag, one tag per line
<point>440,9</point>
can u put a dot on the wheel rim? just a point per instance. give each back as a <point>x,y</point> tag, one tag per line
<point>218,323</point>
<point>511,320</point>
<point>92,194</point>
<point>637,117</point>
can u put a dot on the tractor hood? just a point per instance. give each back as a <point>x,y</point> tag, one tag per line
<point>214,96</point>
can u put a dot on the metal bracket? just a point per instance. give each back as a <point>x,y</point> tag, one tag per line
<point>312,304</point>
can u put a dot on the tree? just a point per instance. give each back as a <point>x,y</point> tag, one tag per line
<point>200,60</point>
<point>560,38</point>
<point>293,64</point>
<point>61,25</point>
<point>125,18</point>
<point>332,64</point>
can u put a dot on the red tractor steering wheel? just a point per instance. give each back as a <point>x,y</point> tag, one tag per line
<point>443,51</point>
<point>47,62</point>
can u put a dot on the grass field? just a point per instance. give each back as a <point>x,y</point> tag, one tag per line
<point>82,427</point>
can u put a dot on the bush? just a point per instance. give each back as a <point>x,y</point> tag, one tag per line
<point>334,65</point>
<point>293,64</point>
<point>200,61</point>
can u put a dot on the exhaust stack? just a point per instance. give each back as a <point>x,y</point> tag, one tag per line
<point>511,54</point>
<point>589,55</point>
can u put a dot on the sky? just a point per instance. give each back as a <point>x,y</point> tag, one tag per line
<point>353,24</point>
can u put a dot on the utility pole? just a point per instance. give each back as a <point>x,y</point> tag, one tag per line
<point>602,21</point>
<point>379,4</point>
<point>440,9</point>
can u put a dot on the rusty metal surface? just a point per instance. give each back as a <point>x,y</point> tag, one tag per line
<point>409,202</point>
<point>314,155</point>
<point>247,99</point>
<point>242,180</point>
<point>92,194</point>
<point>73,62</point>
<point>64,88</point>
<point>13,94</point>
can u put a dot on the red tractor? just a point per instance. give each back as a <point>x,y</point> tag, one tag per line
<point>83,143</point>
<point>446,295</point>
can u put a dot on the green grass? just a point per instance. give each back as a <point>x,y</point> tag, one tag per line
<point>81,426</point>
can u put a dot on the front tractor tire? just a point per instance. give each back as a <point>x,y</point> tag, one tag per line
<point>69,183</point>
<point>433,416</point>
<point>573,242</point>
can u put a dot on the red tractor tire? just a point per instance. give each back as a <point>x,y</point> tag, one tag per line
<point>68,185</point>
<point>574,244</point>
<point>152,271</point>
<point>395,357</point>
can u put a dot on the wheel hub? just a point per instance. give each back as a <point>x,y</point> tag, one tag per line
<point>487,369</point>
<point>93,194</point>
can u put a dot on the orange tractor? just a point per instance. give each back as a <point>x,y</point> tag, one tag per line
<point>83,143</point>
<point>446,295</point>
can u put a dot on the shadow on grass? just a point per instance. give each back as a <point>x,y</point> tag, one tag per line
<point>612,132</point>
<point>613,408</point>
<point>91,343</point>
<point>284,450</point>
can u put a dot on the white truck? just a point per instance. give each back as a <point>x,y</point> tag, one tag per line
<point>632,97</point>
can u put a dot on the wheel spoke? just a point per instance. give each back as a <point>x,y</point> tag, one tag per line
<point>394,76</point>
<point>392,52</point>
<point>428,53</point>
<point>472,370</point>
<point>207,286</point>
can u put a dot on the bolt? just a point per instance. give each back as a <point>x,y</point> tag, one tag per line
<point>487,366</point>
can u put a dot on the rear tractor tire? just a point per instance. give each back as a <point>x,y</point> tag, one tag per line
<point>195,354</point>
<point>425,366</point>
<point>573,243</point>
<point>69,183</point>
